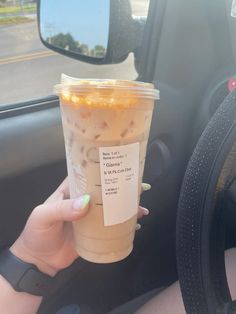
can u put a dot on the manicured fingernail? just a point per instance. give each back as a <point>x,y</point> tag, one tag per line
<point>81,202</point>
<point>145,211</point>
<point>138,227</point>
<point>146,186</point>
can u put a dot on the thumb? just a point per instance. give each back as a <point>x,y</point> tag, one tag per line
<point>64,210</point>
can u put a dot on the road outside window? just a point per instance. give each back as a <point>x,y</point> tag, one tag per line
<point>29,70</point>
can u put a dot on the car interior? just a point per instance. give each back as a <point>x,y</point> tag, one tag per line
<point>187,49</point>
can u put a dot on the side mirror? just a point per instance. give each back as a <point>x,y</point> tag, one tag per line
<point>93,31</point>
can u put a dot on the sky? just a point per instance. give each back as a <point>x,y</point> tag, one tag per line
<point>86,20</point>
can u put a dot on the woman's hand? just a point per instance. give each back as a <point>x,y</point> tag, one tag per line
<point>47,239</point>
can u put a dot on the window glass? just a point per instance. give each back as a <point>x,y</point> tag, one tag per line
<point>140,7</point>
<point>29,70</point>
<point>231,14</point>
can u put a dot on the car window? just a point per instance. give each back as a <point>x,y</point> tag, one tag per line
<point>231,14</point>
<point>29,70</point>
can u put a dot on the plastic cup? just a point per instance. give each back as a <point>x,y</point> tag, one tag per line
<point>106,127</point>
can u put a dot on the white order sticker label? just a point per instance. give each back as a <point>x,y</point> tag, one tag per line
<point>233,9</point>
<point>119,166</point>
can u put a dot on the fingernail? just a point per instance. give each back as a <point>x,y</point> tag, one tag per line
<point>81,202</point>
<point>146,186</point>
<point>145,211</point>
<point>138,227</point>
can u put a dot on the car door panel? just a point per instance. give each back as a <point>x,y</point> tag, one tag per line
<point>32,164</point>
<point>30,140</point>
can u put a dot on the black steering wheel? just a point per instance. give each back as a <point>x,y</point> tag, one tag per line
<point>209,178</point>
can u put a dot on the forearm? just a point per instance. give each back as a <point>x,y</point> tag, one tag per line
<point>13,302</point>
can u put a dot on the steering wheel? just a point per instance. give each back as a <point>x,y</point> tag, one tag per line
<point>209,178</point>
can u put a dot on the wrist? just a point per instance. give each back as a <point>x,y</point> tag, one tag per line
<point>26,256</point>
<point>24,277</point>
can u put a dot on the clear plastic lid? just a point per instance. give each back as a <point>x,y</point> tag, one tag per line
<point>107,87</point>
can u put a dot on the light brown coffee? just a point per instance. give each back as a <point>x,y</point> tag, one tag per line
<point>97,115</point>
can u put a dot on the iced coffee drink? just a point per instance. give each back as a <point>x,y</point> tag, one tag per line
<point>106,127</point>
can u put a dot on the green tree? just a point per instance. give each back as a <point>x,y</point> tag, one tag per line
<point>65,41</point>
<point>2,3</point>
<point>84,49</point>
<point>99,48</point>
<point>99,51</point>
